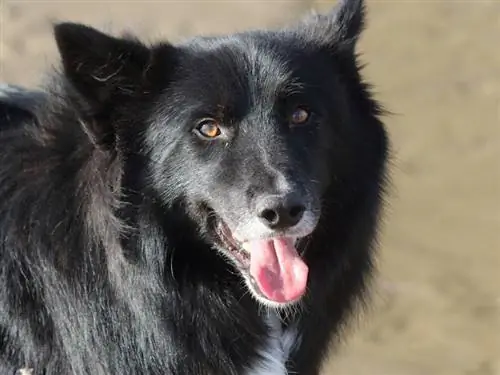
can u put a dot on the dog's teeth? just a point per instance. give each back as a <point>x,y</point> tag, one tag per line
<point>246,246</point>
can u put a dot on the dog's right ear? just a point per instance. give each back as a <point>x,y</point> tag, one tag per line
<point>102,67</point>
<point>106,71</point>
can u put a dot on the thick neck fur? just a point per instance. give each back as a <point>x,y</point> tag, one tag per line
<point>127,268</point>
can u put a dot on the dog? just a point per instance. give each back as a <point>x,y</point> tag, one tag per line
<point>206,207</point>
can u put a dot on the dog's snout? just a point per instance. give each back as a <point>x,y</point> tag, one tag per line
<point>280,211</point>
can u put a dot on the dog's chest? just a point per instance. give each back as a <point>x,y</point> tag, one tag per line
<point>276,351</point>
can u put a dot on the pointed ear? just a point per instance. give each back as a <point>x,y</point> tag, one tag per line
<point>98,65</point>
<point>106,71</point>
<point>340,28</point>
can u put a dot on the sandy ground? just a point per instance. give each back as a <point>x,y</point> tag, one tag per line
<point>436,65</point>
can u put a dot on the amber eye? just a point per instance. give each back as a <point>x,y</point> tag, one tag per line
<point>299,116</point>
<point>208,128</point>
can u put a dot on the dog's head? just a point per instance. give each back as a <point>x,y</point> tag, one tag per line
<point>249,130</point>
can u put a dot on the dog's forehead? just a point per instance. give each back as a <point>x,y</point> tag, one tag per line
<point>250,63</point>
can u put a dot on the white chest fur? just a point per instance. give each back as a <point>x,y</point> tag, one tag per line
<point>275,353</point>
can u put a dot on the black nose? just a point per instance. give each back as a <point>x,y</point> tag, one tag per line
<point>280,211</point>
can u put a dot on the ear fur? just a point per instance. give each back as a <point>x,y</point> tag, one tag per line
<point>340,28</point>
<point>99,65</point>
<point>105,70</point>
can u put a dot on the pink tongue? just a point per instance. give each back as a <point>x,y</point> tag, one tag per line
<point>278,270</point>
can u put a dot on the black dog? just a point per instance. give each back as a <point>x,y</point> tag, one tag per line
<point>205,208</point>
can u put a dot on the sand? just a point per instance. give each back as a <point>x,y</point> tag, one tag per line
<point>436,66</point>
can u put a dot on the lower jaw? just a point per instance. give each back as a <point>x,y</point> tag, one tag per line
<point>241,260</point>
<point>261,298</point>
<point>243,268</point>
<point>239,254</point>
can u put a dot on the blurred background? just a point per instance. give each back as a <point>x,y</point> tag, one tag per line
<point>436,66</point>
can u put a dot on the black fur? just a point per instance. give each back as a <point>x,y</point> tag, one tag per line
<point>108,260</point>
<point>17,104</point>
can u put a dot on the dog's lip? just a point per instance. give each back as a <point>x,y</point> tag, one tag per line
<point>226,231</point>
<point>232,245</point>
<point>241,247</point>
<point>245,244</point>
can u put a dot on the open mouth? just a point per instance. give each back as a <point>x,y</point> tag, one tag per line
<point>234,247</point>
<point>272,267</point>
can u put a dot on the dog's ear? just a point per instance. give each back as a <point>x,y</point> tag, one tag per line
<point>100,66</point>
<point>339,29</point>
<point>106,71</point>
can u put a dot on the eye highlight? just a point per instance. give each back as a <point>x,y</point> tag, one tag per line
<point>208,129</point>
<point>299,116</point>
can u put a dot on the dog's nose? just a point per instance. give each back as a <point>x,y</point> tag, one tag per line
<point>280,211</point>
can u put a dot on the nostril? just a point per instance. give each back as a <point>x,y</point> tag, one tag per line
<point>280,214</point>
<point>270,216</point>
<point>296,211</point>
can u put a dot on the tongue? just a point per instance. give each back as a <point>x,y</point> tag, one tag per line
<point>278,270</point>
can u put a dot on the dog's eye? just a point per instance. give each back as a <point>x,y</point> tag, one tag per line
<point>208,129</point>
<point>299,116</point>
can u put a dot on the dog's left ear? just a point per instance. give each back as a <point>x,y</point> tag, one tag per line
<point>338,29</point>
